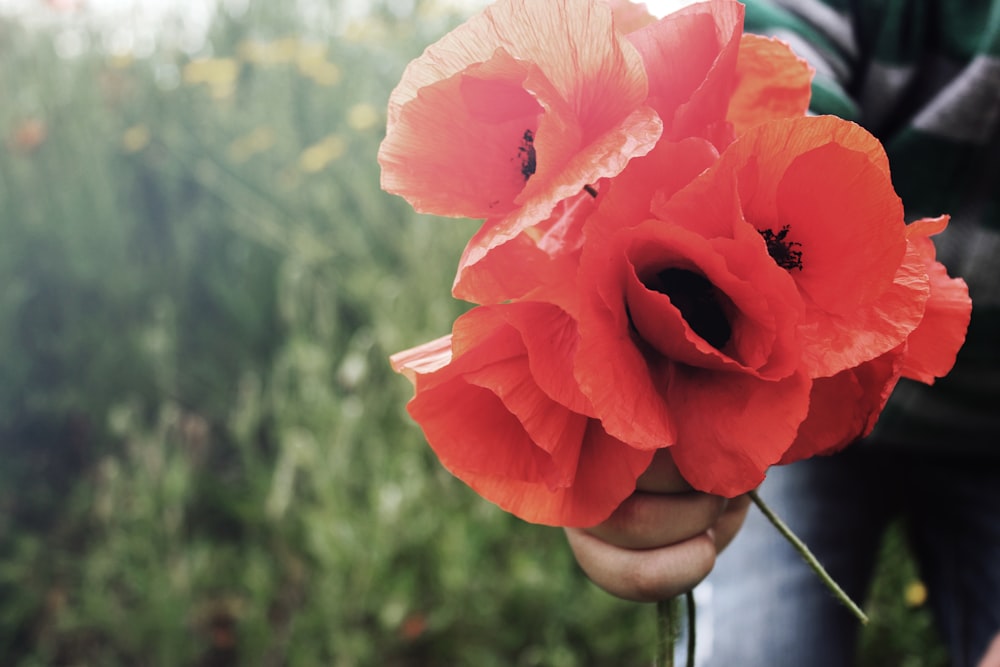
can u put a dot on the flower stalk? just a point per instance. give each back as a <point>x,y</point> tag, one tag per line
<point>808,556</point>
<point>668,622</point>
<point>667,625</point>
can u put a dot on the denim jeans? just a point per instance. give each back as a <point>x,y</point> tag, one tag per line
<point>763,607</point>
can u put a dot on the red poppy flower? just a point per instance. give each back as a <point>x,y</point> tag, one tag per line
<point>520,107</point>
<point>704,325</point>
<point>846,406</point>
<point>817,194</point>
<point>498,404</point>
<point>706,81</point>
<point>691,342</point>
<point>742,289</point>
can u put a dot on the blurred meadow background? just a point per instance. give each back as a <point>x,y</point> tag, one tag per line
<point>205,459</point>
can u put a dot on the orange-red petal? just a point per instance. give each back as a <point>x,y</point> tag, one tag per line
<point>731,427</point>
<point>544,256</point>
<point>630,16</point>
<point>690,56</point>
<point>606,476</point>
<point>932,347</point>
<point>494,417</point>
<point>845,407</point>
<point>772,83</point>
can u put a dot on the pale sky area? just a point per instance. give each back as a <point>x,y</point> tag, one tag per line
<point>132,26</point>
<point>152,10</point>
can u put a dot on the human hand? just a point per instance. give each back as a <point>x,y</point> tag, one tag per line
<point>992,657</point>
<point>662,540</point>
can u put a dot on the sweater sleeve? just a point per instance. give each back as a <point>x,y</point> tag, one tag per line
<point>822,35</point>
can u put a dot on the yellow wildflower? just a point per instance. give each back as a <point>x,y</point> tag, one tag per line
<point>315,158</point>
<point>135,138</point>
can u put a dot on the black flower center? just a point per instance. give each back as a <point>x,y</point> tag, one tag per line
<point>781,250</point>
<point>699,303</point>
<point>526,153</point>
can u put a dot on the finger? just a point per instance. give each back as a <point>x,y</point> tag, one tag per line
<point>992,657</point>
<point>648,520</point>
<point>662,476</point>
<point>730,522</point>
<point>647,575</point>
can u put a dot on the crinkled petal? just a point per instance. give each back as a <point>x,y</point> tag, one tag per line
<point>422,359</point>
<point>544,255</point>
<point>758,302</point>
<point>763,153</point>
<point>603,157</point>
<point>834,342</point>
<point>624,387</point>
<point>630,16</point>
<point>845,407</point>
<point>606,476</point>
<point>489,414</point>
<point>732,427</point>
<point>772,83</point>
<point>691,56</point>
<point>843,211</point>
<point>933,346</point>
<point>632,196</point>
<point>542,331</point>
<point>461,146</point>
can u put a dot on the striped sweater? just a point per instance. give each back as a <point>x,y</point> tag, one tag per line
<point>924,77</point>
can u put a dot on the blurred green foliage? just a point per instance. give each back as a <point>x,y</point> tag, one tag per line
<point>205,457</point>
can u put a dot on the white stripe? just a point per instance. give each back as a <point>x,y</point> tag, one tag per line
<point>883,85</point>
<point>828,21</point>
<point>967,109</point>
<point>824,64</point>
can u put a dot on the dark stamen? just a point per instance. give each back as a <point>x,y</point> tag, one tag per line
<point>782,251</point>
<point>590,190</point>
<point>698,300</point>
<point>527,154</point>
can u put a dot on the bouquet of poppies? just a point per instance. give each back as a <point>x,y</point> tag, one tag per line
<point>674,255</point>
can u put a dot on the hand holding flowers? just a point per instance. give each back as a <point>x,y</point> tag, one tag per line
<point>677,267</point>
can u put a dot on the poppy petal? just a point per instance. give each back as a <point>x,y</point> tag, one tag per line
<point>426,157</point>
<point>933,346</point>
<point>691,57</point>
<point>606,476</point>
<point>772,83</point>
<point>489,416</point>
<point>845,407</point>
<point>633,195</point>
<point>630,16</point>
<point>623,386</point>
<point>544,255</point>
<point>731,427</point>
<point>737,312</point>
<point>848,220</point>
<point>833,342</point>
<point>422,359</point>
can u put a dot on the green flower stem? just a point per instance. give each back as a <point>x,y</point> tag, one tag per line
<point>668,617</point>
<point>666,621</point>
<point>689,597</point>
<point>809,558</point>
